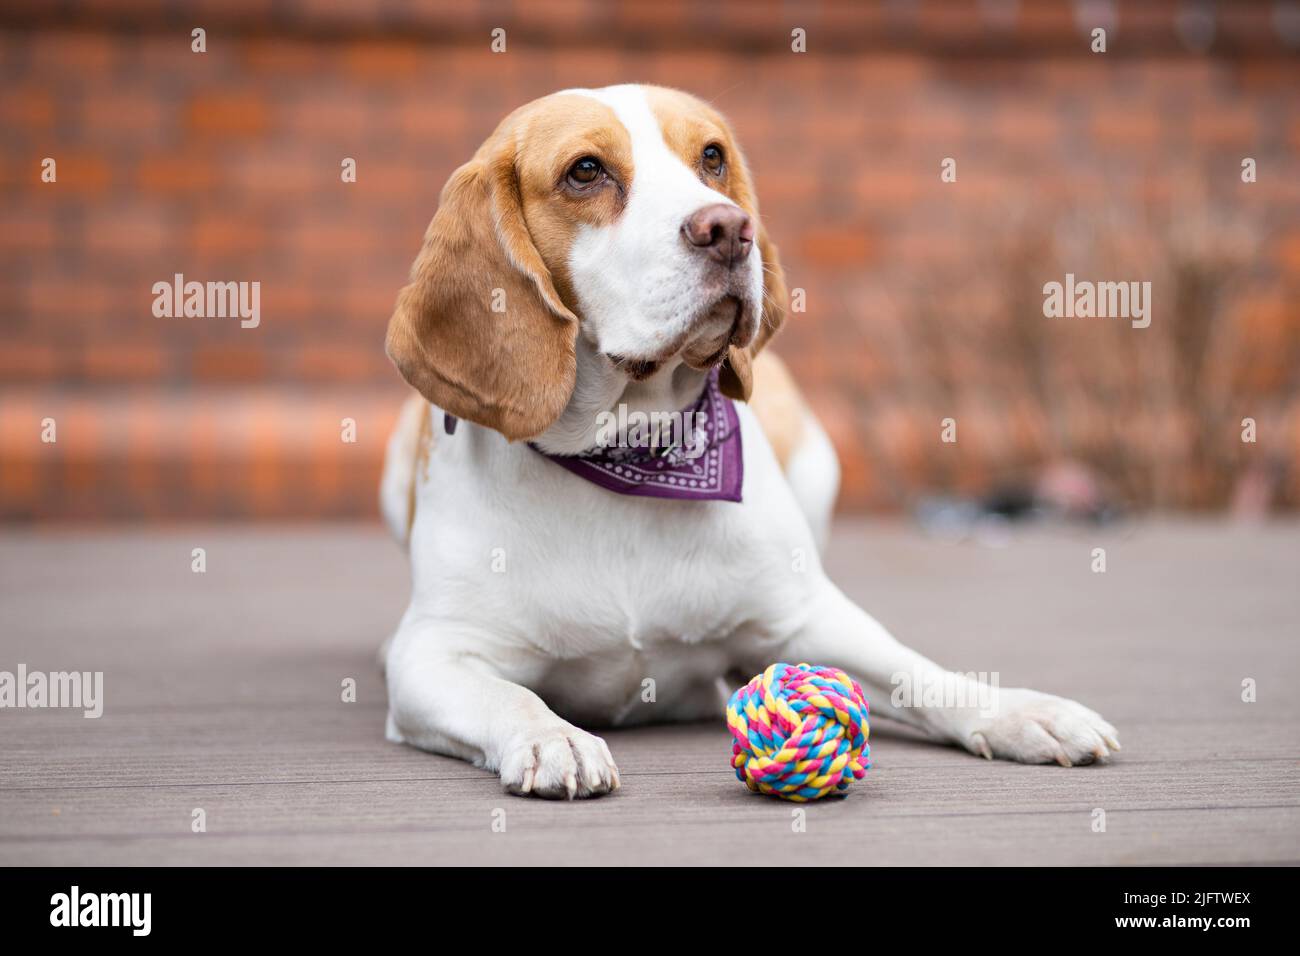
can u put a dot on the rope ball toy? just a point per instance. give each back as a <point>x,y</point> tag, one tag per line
<point>800,732</point>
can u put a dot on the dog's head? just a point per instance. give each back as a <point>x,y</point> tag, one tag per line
<point>625,215</point>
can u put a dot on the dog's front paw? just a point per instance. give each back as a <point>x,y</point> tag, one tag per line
<point>1030,727</point>
<point>558,762</point>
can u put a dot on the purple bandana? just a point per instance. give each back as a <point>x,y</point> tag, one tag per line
<point>702,460</point>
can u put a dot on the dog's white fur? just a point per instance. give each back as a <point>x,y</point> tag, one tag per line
<point>541,601</point>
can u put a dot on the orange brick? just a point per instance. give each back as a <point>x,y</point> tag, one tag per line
<point>432,119</point>
<point>27,107</point>
<point>1181,77</point>
<point>123,230</point>
<point>276,173</point>
<point>1288,253</point>
<point>23,362</point>
<point>23,455</point>
<point>1030,125</point>
<point>455,18</point>
<point>219,235</point>
<point>248,11</point>
<point>330,239</point>
<point>170,173</point>
<point>61,54</point>
<point>289,302</point>
<point>339,363</point>
<point>228,114</point>
<point>855,21</point>
<point>339,117</point>
<point>388,60</point>
<point>788,187</point>
<point>1071,73</point>
<point>1269,76</point>
<point>384,182</point>
<point>1223,125</point>
<point>368,304</point>
<point>26,230</point>
<point>563,17</point>
<point>955,22</point>
<point>168,52</point>
<point>123,363</point>
<point>669,18</point>
<point>267,434</point>
<point>110,113</point>
<point>754,19</point>
<point>62,306</point>
<point>593,66</point>
<point>77,173</point>
<point>1136,126</point>
<point>230,363</point>
<point>943,129</point>
<point>837,245</point>
<point>282,55</point>
<point>890,187</point>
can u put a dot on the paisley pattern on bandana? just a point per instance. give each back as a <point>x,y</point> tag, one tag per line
<point>710,468</point>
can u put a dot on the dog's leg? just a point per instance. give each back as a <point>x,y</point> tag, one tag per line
<point>458,706</point>
<point>1014,723</point>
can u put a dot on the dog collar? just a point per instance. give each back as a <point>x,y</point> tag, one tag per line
<point>704,461</point>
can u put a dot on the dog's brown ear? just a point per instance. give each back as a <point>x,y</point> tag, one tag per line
<point>480,330</point>
<point>736,377</point>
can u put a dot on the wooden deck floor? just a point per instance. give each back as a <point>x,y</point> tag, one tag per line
<point>223,693</point>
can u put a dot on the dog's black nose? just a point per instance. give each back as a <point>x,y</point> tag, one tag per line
<point>721,231</point>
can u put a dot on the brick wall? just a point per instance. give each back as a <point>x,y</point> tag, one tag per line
<point>923,298</point>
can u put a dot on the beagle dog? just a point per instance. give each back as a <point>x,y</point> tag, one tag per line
<point>601,259</point>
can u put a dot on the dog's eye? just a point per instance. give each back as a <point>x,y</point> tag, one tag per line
<point>713,159</point>
<point>585,172</point>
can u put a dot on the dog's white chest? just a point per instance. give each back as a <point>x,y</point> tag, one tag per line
<point>613,608</point>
